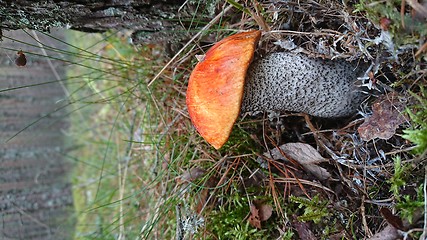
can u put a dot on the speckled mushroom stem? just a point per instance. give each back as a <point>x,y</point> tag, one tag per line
<point>289,82</point>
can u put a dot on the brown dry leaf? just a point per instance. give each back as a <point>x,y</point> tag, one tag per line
<point>385,23</point>
<point>21,60</point>
<point>203,195</point>
<point>304,154</point>
<point>304,231</point>
<point>339,236</point>
<point>191,175</point>
<point>392,219</point>
<point>386,118</point>
<point>388,233</point>
<point>201,199</point>
<point>254,219</point>
<point>264,210</point>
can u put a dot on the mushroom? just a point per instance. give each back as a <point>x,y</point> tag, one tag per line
<point>225,83</point>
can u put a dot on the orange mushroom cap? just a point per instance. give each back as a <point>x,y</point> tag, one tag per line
<point>215,88</point>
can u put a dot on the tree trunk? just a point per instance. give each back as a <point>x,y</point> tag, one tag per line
<point>88,15</point>
<point>146,18</point>
<point>35,193</point>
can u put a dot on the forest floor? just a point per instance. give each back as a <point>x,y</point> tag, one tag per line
<point>144,172</point>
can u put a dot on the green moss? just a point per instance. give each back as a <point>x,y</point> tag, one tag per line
<point>239,142</point>
<point>418,114</point>
<point>408,206</point>
<point>314,210</point>
<point>229,221</point>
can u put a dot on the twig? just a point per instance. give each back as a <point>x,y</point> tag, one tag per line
<point>302,181</point>
<point>364,222</point>
<point>422,49</point>
<point>319,33</point>
<point>318,137</point>
<point>406,235</point>
<point>419,8</point>
<point>402,14</point>
<point>122,176</point>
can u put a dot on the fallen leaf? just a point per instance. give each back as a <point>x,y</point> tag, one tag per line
<point>302,153</point>
<point>264,210</point>
<point>385,119</point>
<point>201,198</point>
<point>339,236</point>
<point>388,233</point>
<point>392,219</point>
<point>191,175</point>
<point>254,219</point>
<point>200,58</point>
<point>304,231</point>
<point>21,60</point>
<point>385,23</point>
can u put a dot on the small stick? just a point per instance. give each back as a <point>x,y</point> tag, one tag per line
<point>364,222</point>
<point>402,14</point>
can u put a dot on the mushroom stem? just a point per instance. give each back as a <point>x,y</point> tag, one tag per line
<point>289,82</point>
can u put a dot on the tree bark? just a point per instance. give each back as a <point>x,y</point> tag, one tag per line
<point>87,15</point>
<point>146,18</point>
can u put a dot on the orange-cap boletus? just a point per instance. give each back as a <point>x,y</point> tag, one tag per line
<point>225,82</point>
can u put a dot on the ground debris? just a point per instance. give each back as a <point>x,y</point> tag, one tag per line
<point>386,118</point>
<point>254,219</point>
<point>388,233</point>
<point>191,175</point>
<point>303,154</point>
<point>303,230</point>
<point>392,219</point>
<point>260,212</point>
